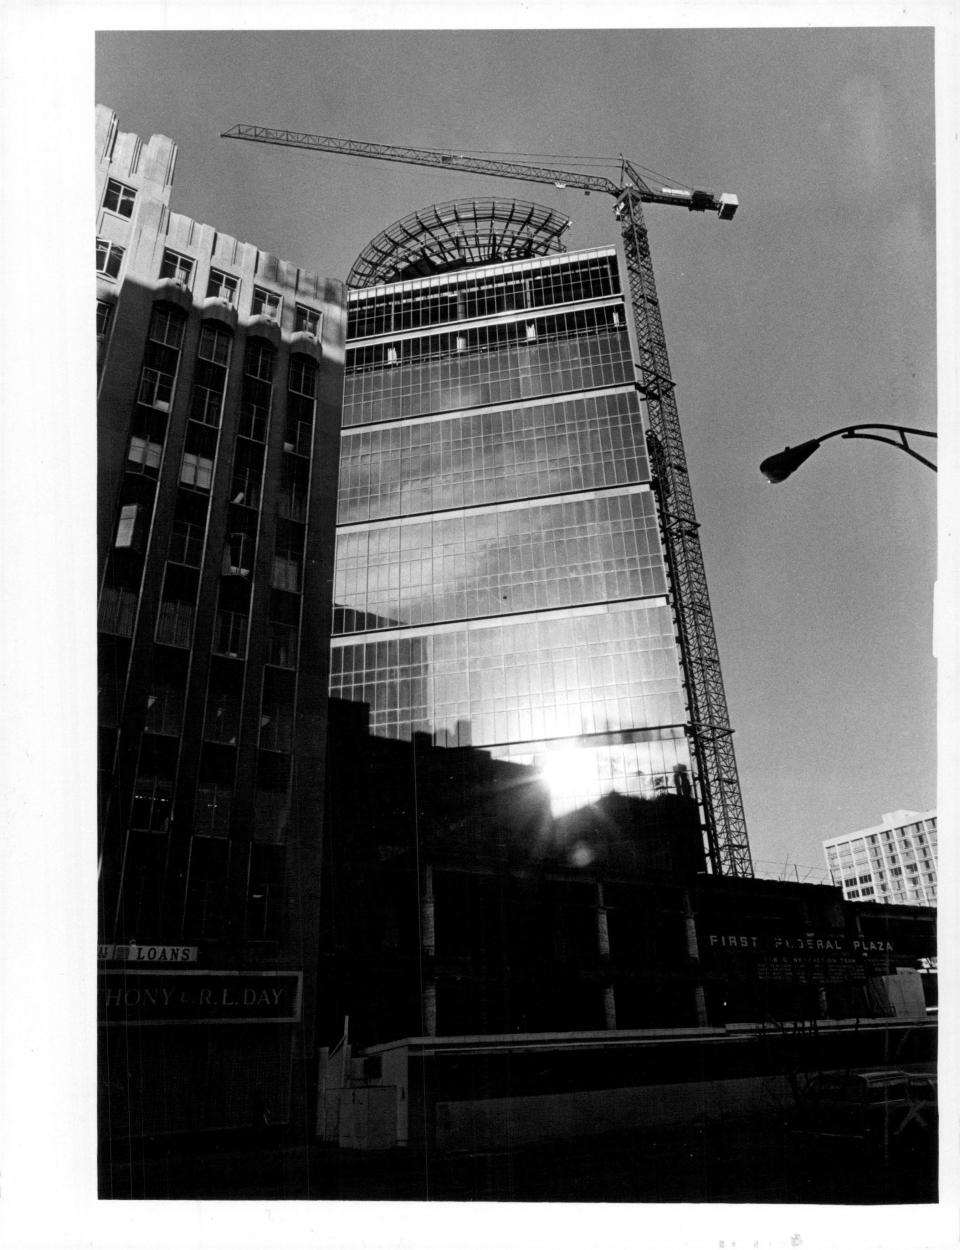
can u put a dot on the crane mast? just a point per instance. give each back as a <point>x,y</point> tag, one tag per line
<point>709,731</point>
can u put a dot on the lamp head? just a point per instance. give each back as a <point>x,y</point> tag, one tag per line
<point>778,467</point>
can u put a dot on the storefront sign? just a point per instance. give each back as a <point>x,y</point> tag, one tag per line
<point>807,943</point>
<point>134,954</point>
<point>825,957</point>
<point>154,996</point>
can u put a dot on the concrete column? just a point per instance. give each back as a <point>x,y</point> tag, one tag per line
<point>609,1007</point>
<point>427,930</point>
<point>603,932</point>
<point>428,992</point>
<point>693,955</point>
<point>603,946</point>
<point>428,1008</point>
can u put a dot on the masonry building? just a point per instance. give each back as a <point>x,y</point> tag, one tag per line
<point>219,388</point>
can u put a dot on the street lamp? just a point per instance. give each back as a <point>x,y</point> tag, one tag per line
<point>777,468</point>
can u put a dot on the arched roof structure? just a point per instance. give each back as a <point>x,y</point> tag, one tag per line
<point>457,235</point>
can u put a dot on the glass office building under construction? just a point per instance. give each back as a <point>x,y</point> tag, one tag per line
<point>500,577</point>
<point>502,618</point>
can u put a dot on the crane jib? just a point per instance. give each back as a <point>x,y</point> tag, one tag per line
<point>697,201</point>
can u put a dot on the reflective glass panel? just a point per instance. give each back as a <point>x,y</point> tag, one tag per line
<point>492,563</point>
<point>585,443</point>
<point>547,677</point>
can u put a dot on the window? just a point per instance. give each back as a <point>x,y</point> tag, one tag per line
<point>276,727</point>
<point>164,710</point>
<point>281,644</point>
<point>286,570</point>
<point>302,387</point>
<point>196,470</point>
<point>166,327</point>
<point>222,722</point>
<point>205,405</point>
<point>266,303</point>
<point>205,913</point>
<point>130,528</point>
<point>156,389</point>
<point>259,361</point>
<point>307,321</point>
<point>214,343</point>
<point>143,872</point>
<point>119,199</point>
<point>230,638</point>
<point>109,258</point>
<point>292,497</point>
<point>177,267</point>
<point>175,623</point>
<point>186,543</point>
<point>223,286</point>
<point>303,376</point>
<point>298,436</point>
<point>144,455</point>
<point>118,608</point>
<point>253,421</point>
<point>265,891</point>
<point>257,389</point>
<point>210,377</point>
<point>271,814</point>
<point>212,811</point>
<point>152,803</point>
<point>104,311</point>
<point>247,476</point>
<point>238,555</point>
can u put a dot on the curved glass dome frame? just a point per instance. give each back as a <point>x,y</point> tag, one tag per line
<point>456,235</point>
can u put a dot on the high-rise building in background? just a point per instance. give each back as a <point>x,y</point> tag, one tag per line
<point>220,381</point>
<point>893,862</point>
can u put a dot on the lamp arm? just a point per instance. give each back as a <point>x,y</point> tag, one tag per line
<point>854,431</point>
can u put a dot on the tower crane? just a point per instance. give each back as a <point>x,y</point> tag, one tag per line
<point>709,731</point>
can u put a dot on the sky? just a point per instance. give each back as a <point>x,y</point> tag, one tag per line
<point>814,308</point>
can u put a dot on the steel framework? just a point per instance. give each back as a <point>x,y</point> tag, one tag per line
<point>451,236</point>
<point>709,731</point>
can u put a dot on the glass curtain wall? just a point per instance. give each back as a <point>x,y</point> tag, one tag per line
<point>500,578</point>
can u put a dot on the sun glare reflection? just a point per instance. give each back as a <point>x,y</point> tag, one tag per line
<point>571,777</point>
